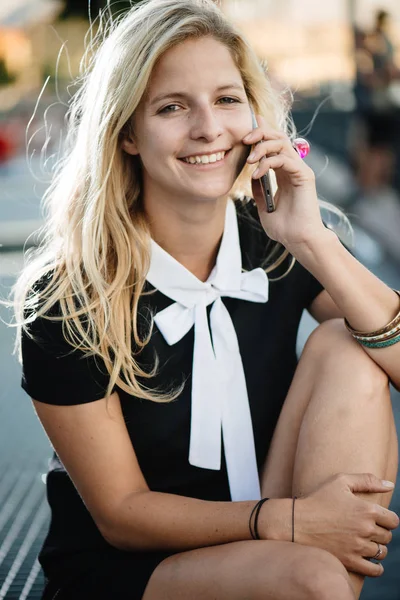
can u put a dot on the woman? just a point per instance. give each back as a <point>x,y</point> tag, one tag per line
<point>150,326</point>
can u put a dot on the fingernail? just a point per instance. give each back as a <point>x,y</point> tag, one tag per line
<point>388,484</point>
<point>256,172</point>
<point>251,156</point>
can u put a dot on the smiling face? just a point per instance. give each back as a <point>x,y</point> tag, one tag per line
<point>188,128</point>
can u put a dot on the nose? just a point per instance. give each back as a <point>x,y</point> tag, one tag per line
<point>205,124</point>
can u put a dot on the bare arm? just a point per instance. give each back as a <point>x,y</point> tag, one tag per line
<point>94,445</point>
<point>351,290</point>
<point>366,302</point>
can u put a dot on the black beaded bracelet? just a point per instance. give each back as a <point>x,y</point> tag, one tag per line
<point>256,517</point>
<point>251,516</point>
<point>254,528</point>
<point>294,500</point>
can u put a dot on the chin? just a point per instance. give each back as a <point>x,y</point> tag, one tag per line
<point>208,199</point>
<point>212,192</point>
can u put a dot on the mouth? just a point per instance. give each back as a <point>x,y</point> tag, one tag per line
<point>206,161</point>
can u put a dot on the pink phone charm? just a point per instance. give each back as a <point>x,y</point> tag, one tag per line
<point>301,146</point>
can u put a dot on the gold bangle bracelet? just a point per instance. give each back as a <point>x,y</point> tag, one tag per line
<point>384,330</point>
<point>376,338</point>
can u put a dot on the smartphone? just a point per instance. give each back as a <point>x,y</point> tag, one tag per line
<point>265,180</point>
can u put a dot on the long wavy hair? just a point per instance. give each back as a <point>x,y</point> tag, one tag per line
<point>95,251</point>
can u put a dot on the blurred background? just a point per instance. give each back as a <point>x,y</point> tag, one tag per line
<point>340,59</point>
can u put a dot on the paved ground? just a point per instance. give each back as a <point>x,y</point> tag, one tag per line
<point>24,451</point>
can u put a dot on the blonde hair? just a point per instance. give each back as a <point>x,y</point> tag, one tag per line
<point>95,250</point>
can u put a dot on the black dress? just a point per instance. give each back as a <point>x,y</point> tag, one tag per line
<point>76,559</point>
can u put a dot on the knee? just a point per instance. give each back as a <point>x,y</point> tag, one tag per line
<point>332,346</point>
<point>321,576</point>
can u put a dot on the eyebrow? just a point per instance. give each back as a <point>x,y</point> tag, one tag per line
<point>235,86</point>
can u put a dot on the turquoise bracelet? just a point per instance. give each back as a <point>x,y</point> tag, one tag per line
<point>380,344</point>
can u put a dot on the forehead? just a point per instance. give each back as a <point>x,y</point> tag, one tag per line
<point>195,62</point>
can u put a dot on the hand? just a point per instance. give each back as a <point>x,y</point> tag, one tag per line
<point>334,519</point>
<point>297,218</point>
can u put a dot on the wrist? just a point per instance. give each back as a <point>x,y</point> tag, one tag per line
<point>312,248</point>
<point>275,520</point>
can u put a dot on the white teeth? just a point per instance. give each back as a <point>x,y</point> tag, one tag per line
<point>205,158</point>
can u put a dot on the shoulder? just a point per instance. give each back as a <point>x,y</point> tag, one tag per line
<point>49,322</point>
<point>43,325</point>
<point>55,368</point>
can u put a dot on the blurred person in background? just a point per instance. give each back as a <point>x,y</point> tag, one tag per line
<point>158,326</point>
<point>378,105</point>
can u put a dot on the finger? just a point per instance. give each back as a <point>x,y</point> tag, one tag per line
<point>382,536</point>
<point>385,518</point>
<point>365,567</point>
<point>268,148</point>
<point>288,164</point>
<point>260,134</point>
<point>367,482</point>
<point>269,131</point>
<point>371,551</point>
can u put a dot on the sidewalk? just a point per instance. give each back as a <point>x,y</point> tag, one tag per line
<point>20,196</point>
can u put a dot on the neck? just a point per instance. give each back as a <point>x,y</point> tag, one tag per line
<point>190,233</point>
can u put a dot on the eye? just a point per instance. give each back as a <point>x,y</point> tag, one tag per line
<point>166,109</point>
<point>229,100</point>
<point>174,107</point>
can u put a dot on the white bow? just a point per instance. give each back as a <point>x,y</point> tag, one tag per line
<point>219,393</point>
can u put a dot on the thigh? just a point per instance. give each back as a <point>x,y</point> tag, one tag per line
<point>250,570</point>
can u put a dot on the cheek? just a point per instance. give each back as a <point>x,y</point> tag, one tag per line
<point>152,152</point>
<point>157,155</point>
<point>159,145</point>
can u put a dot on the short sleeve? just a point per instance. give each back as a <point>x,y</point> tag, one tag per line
<point>55,373</point>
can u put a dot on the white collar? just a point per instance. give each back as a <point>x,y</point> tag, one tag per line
<point>219,393</point>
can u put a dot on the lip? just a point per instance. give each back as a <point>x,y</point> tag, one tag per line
<point>206,166</point>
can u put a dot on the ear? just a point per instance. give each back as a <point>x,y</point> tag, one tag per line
<point>129,145</point>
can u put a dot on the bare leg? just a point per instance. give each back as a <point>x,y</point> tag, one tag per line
<point>264,570</point>
<point>337,418</point>
<point>250,570</point>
